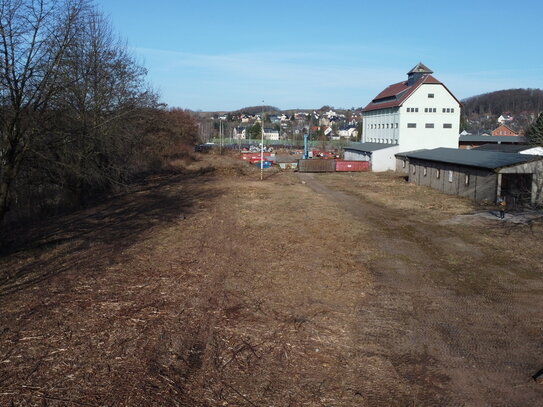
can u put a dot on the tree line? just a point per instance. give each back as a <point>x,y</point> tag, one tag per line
<point>77,116</point>
<point>513,101</point>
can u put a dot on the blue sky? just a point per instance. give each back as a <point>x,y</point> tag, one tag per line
<point>224,55</point>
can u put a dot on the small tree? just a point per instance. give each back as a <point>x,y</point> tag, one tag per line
<point>535,131</point>
<point>255,131</point>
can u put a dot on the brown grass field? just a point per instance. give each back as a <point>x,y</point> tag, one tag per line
<point>208,287</point>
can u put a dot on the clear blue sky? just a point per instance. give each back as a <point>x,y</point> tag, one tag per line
<point>224,55</point>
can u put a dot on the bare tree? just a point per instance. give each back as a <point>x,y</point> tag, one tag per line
<point>34,37</point>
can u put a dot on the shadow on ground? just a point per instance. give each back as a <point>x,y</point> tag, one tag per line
<point>94,237</point>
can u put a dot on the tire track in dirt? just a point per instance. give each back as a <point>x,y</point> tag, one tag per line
<point>446,342</point>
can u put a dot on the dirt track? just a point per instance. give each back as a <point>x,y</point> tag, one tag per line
<point>207,289</point>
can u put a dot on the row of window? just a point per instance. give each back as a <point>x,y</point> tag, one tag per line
<point>381,140</point>
<point>438,173</point>
<point>430,110</point>
<point>429,125</point>
<point>384,126</point>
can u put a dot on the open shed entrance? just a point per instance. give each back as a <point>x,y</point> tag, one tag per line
<point>517,189</point>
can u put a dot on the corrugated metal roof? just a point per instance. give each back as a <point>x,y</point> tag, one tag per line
<point>368,146</point>
<point>493,139</point>
<point>471,158</point>
<point>504,148</point>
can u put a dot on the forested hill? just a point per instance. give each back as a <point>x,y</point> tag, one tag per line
<point>512,101</point>
<point>257,109</point>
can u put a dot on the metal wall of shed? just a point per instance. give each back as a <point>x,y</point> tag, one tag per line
<point>482,184</point>
<point>402,165</point>
<point>358,166</point>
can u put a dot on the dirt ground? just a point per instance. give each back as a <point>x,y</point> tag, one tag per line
<point>209,287</point>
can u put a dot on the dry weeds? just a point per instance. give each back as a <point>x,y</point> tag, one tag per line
<point>211,288</point>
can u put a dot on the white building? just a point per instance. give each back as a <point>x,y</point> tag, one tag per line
<point>239,133</point>
<point>414,114</point>
<point>381,156</point>
<point>271,134</point>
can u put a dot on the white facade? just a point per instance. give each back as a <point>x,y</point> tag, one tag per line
<point>382,126</point>
<point>381,160</point>
<point>428,118</point>
<point>239,133</point>
<point>270,134</point>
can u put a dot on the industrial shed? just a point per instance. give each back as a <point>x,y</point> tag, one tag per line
<point>379,155</point>
<point>475,174</point>
<point>470,141</point>
<point>512,148</point>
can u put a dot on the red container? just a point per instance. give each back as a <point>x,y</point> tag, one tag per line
<point>252,156</point>
<point>359,166</point>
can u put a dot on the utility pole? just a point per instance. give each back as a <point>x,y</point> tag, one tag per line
<point>262,144</point>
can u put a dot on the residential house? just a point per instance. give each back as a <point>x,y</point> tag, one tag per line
<point>348,132</point>
<point>503,130</point>
<point>239,133</point>
<point>271,134</point>
<point>504,118</point>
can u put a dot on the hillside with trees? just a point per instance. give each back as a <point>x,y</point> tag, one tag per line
<point>480,112</point>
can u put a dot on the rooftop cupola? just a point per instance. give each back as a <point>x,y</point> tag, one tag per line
<point>417,72</point>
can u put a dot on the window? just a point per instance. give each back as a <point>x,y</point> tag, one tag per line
<point>452,110</point>
<point>414,169</point>
<point>466,179</point>
<point>426,110</point>
<point>429,125</point>
<point>438,173</point>
<point>416,109</point>
<point>425,171</point>
<point>450,176</point>
<point>396,125</point>
<point>443,111</point>
<point>411,125</point>
<point>403,163</point>
<point>431,95</point>
<point>447,125</point>
<point>434,110</point>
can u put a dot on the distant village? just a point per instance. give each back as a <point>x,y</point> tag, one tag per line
<point>413,127</point>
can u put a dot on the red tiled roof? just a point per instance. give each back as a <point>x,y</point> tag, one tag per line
<point>396,94</point>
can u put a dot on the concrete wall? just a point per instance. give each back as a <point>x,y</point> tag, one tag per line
<point>384,159</point>
<point>421,137</point>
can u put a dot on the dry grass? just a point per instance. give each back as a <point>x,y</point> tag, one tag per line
<point>213,288</point>
<point>391,190</point>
